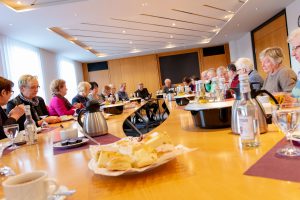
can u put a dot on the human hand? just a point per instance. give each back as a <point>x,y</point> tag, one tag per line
<point>78,105</point>
<point>52,119</point>
<point>17,111</point>
<point>289,99</point>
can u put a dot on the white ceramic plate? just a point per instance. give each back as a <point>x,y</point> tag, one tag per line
<point>179,149</point>
<point>58,145</point>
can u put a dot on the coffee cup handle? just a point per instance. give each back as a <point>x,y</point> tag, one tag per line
<point>51,182</point>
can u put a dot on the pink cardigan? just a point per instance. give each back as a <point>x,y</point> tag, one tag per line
<point>57,107</point>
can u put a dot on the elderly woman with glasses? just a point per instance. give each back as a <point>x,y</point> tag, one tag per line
<point>280,78</point>
<point>29,87</point>
<point>14,114</point>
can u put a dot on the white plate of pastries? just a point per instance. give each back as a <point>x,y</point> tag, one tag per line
<point>129,156</point>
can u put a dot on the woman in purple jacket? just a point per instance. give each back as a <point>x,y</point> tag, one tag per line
<point>59,105</point>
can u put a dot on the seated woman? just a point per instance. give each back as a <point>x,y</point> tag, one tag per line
<point>83,89</point>
<point>279,78</point>
<point>59,105</point>
<point>29,87</point>
<point>233,75</point>
<point>187,81</point>
<point>94,92</point>
<point>5,94</point>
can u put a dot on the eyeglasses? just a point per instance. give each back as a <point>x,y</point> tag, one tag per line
<point>33,87</point>
<point>295,48</point>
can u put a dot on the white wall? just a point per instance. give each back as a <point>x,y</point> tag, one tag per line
<point>241,47</point>
<point>292,14</point>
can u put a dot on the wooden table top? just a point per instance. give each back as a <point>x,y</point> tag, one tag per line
<point>214,171</point>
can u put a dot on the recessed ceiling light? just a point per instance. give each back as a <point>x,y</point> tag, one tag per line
<point>171,36</point>
<point>123,31</point>
<point>130,42</point>
<point>173,24</point>
<point>256,9</point>
<point>10,24</point>
<point>169,46</point>
<point>101,55</point>
<point>75,14</point>
<point>228,16</point>
<point>19,2</point>
<point>205,41</point>
<point>216,30</point>
<point>135,50</point>
<point>144,4</point>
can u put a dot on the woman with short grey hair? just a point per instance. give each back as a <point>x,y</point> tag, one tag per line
<point>83,89</point>
<point>246,66</point>
<point>280,78</point>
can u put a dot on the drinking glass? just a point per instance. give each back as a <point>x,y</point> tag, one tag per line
<point>287,118</point>
<point>11,131</point>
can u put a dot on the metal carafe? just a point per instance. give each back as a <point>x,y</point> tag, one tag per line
<point>263,119</point>
<point>91,119</point>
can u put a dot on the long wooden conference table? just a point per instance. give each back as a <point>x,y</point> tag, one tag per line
<point>214,171</point>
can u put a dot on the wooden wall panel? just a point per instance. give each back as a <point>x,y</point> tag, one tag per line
<point>146,69</point>
<point>115,72</point>
<point>214,61</point>
<point>134,70</point>
<point>272,34</point>
<point>101,77</point>
<point>85,72</point>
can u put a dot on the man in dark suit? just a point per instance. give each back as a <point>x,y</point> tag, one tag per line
<point>144,94</point>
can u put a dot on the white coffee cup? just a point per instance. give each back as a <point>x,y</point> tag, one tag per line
<point>29,186</point>
<point>68,133</point>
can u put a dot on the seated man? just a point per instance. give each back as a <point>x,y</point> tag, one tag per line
<point>168,87</point>
<point>144,94</point>
<point>29,87</point>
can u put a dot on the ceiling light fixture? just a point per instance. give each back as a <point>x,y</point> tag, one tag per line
<point>205,41</point>
<point>19,2</point>
<point>228,16</point>
<point>170,45</point>
<point>171,36</point>
<point>135,51</point>
<point>173,24</point>
<point>100,55</point>
<point>123,31</point>
<point>130,42</point>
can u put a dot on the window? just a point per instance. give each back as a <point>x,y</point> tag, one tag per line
<point>67,72</point>
<point>21,59</point>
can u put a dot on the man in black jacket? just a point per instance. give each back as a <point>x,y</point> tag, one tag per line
<point>144,94</point>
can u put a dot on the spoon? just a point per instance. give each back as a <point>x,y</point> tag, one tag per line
<point>61,194</point>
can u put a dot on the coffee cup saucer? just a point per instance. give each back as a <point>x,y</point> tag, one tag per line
<point>61,189</point>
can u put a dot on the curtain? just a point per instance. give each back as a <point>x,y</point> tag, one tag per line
<point>18,59</point>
